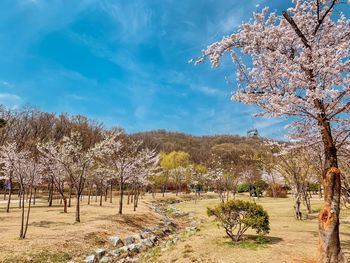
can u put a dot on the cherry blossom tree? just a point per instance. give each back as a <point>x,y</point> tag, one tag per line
<point>296,168</point>
<point>69,160</point>
<point>297,64</point>
<point>119,152</point>
<point>145,164</point>
<point>101,175</point>
<point>8,156</point>
<point>27,172</point>
<point>54,170</point>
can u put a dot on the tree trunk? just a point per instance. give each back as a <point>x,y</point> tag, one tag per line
<point>307,202</point>
<point>135,201</point>
<point>22,216</point>
<point>10,194</point>
<point>96,193</point>
<point>329,250</point>
<point>101,195</point>
<point>34,198</point>
<point>128,201</point>
<point>65,204</point>
<point>20,199</point>
<point>70,195</point>
<point>77,209</point>
<point>121,189</point>
<point>28,212</point>
<point>297,211</point>
<point>89,195</point>
<point>111,193</point>
<point>50,193</point>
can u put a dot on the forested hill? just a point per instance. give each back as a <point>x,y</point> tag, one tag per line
<point>199,147</point>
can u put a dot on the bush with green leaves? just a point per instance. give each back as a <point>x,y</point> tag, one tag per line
<point>237,216</point>
<point>243,188</point>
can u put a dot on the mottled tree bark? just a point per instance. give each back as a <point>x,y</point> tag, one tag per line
<point>329,249</point>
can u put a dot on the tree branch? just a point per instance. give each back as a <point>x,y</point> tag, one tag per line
<point>320,20</point>
<point>296,29</point>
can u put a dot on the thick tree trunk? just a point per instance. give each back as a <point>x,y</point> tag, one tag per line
<point>329,250</point>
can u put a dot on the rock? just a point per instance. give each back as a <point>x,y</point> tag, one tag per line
<point>193,223</point>
<point>104,259</point>
<point>153,239</point>
<point>172,242</point>
<point>169,222</point>
<point>124,249</point>
<point>91,259</point>
<point>116,241</point>
<point>100,252</point>
<point>134,249</point>
<point>163,231</point>
<point>115,253</point>
<point>193,226</point>
<point>146,243</point>
<point>130,240</point>
<point>145,233</point>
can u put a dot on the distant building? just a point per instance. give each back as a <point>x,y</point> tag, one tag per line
<point>253,133</point>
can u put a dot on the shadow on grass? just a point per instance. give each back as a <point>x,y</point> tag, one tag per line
<point>252,242</point>
<point>47,224</point>
<point>137,221</point>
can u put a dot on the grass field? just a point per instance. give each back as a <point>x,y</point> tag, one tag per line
<point>54,237</point>
<point>289,240</point>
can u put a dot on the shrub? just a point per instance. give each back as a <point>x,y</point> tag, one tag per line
<point>243,188</point>
<point>236,216</point>
<point>313,187</point>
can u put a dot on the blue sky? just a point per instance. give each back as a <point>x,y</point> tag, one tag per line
<point>125,62</point>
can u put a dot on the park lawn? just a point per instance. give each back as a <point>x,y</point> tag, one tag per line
<point>54,237</point>
<point>290,240</point>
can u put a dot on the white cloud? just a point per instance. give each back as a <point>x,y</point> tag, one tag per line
<point>10,100</point>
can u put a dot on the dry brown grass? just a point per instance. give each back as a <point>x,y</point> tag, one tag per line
<point>54,237</point>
